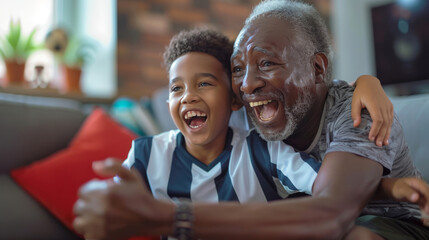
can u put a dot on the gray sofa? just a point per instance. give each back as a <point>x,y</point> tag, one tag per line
<point>34,127</point>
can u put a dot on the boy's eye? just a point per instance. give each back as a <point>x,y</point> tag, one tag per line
<point>175,88</point>
<point>204,84</point>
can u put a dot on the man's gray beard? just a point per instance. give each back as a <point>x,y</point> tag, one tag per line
<point>293,115</point>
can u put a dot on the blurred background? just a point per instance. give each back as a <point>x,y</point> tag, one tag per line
<point>115,46</point>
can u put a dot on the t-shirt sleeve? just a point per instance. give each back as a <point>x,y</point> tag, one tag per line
<point>138,161</point>
<point>346,138</point>
<point>128,162</point>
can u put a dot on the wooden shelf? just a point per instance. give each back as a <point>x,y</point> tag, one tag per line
<point>54,93</point>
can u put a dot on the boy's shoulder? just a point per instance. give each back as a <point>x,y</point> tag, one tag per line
<point>168,136</point>
<point>241,135</point>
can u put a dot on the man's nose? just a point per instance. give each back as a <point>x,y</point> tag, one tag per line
<point>189,96</point>
<point>251,82</point>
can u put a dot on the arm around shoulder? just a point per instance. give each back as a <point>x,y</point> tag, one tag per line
<point>369,94</point>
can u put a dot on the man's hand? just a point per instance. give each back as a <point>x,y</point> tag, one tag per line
<point>370,95</point>
<point>119,209</point>
<point>414,190</point>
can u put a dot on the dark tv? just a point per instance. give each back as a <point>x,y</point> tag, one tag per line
<point>401,42</point>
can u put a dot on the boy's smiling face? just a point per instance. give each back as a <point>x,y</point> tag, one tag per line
<point>200,99</point>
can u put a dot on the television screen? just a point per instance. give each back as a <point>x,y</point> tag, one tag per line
<point>401,41</point>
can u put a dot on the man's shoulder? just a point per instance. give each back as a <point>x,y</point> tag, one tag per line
<point>341,93</point>
<point>339,102</point>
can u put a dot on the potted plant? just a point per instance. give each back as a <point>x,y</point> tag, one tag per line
<point>15,49</point>
<point>79,51</point>
<point>73,53</point>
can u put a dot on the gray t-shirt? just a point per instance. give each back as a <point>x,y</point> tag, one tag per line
<point>337,134</point>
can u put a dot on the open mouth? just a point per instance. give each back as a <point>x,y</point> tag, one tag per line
<point>195,119</point>
<point>265,110</point>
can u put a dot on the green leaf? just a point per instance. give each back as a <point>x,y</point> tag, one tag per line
<point>14,45</point>
<point>3,55</point>
<point>79,51</point>
<point>14,34</point>
<point>29,44</point>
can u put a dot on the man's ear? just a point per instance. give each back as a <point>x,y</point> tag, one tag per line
<point>320,64</point>
<point>236,103</point>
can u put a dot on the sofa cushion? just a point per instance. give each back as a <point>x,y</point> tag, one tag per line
<point>413,113</point>
<point>23,218</point>
<point>34,127</point>
<point>55,180</point>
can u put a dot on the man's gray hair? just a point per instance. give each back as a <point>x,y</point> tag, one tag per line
<point>311,31</point>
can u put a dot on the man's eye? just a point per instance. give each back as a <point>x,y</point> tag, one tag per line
<point>236,69</point>
<point>267,64</point>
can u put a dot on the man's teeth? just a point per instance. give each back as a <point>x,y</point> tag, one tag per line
<point>259,103</point>
<point>194,114</point>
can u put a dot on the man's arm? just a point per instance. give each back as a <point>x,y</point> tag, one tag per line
<point>344,184</point>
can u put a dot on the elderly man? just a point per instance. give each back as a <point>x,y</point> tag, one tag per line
<point>281,59</point>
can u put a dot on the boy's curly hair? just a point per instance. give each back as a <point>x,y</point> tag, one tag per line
<point>200,40</point>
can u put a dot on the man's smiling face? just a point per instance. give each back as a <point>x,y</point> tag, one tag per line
<point>274,81</point>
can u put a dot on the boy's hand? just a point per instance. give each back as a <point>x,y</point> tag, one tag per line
<point>414,190</point>
<point>118,209</point>
<point>370,95</point>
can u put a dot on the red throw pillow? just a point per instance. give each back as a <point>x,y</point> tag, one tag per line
<point>55,180</point>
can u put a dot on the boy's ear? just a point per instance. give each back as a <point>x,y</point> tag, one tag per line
<point>236,103</point>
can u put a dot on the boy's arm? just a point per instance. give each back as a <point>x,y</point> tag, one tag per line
<point>370,95</point>
<point>414,190</point>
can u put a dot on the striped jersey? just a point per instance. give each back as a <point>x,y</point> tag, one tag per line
<point>249,169</point>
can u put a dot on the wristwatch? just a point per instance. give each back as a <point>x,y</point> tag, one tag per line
<point>183,220</point>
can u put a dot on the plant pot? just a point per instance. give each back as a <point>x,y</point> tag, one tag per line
<point>71,79</point>
<point>14,73</point>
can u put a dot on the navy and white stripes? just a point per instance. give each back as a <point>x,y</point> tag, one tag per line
<point>248,170</point>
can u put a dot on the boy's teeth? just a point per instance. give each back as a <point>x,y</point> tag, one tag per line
<point>259,103</point>
<point>193,114</point>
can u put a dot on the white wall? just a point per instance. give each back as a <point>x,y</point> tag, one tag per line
<point>353,38</point>
<point>95,19</point>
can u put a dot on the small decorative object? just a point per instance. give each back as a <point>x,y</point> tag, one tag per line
<point>15,49</point>
<point>39,80</point>
<point>73,53</point>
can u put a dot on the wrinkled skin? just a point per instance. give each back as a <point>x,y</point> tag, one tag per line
<point>266,67</point>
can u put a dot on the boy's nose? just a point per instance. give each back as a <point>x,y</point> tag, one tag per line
<point>189,97</point>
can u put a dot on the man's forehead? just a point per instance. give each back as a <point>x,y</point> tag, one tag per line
<point>269,33</point>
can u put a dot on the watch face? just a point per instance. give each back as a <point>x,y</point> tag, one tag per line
<point>183,219</point>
